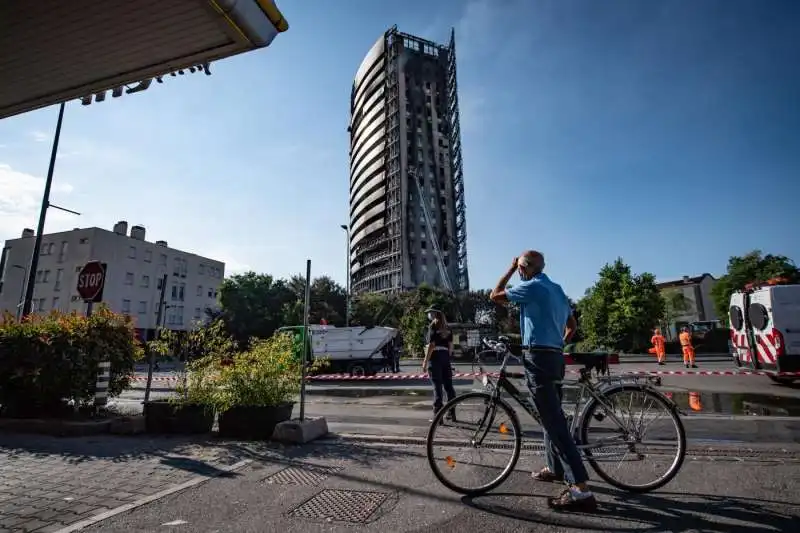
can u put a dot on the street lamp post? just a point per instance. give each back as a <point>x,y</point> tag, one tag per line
<point>21,288</point>
<point>37,245</point>
<point>347,288</point>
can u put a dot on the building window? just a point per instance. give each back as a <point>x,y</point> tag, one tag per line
<point>174,291</point>
<point>55,302</point>
<point>126,306</point>
<point>46,276</point>
<point>210,293</point>
<point>199,290</point>
<point>201,269</point>
<point>182,292</point>
<point>197,313</point>
<point>180,315</point>
<point>132,252</point>
<point>39,305</point>
<point>142,308</point>
<point>83,241</point>
<point>148,256</point>
<point>45,250</point>
<point>176,269</point>
<point>129,278</point>
<point>145,281</point>
<point>62,253</point>
<point>38,276</point>
<point>160,283</point>
<point>162,260</point>
<point>59,276</point>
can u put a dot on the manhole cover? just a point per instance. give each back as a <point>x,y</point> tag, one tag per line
<point>302,475</point>
<point>341,505</point>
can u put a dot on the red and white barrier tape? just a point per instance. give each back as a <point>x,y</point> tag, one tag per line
<point>417,377</point>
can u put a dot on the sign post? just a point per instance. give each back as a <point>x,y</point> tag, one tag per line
<point>91,280</point>
<point>306,311</point>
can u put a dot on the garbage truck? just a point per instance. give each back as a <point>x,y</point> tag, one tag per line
<point>356,350</point>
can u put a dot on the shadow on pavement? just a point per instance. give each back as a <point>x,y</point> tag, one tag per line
<point>673,512</point>
<point>178,452</point>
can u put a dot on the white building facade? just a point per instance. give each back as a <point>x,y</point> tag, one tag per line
<point>134,273</point>
<point>696,298</point>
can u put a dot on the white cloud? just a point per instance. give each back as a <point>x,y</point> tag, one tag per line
<point>40,136</point>
<point>227,256</point>
<point>21,201</point>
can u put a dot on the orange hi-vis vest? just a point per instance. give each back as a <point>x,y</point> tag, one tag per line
<point>658,342</point>
<point>686,339</point>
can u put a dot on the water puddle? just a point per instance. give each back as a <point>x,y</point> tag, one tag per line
<point>712,403</point>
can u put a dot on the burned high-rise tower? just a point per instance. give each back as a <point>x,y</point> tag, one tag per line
<point>407,212</point>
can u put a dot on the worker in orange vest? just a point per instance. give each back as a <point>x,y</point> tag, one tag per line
<point>659,346</point>
<point>686,345</point>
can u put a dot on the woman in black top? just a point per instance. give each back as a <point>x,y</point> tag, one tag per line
<point>437,364</point>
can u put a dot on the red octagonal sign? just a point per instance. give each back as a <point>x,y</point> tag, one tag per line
<point>91,280</point>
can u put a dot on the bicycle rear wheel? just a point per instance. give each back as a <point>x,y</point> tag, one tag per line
<point>606,444</point>
<point>492,432</point>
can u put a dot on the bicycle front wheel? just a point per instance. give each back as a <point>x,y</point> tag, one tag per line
<point>633,434</point>
<point>474,443</point>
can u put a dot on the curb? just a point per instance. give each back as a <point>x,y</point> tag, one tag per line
<point>148,499</point>
<point>702,448</point>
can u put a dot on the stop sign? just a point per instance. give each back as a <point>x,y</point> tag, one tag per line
<point>91,279</point>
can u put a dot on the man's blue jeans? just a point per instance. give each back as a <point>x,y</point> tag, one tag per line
<point>544,370</point>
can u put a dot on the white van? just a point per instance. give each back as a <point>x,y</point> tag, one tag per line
<point>765,328</point>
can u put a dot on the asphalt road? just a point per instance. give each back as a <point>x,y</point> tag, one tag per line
<point>364,488</point>
<point>724,409</point>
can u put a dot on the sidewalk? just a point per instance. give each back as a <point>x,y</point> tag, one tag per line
<point>350,487</point>
<point>113,484</point>
<point>47,483</point>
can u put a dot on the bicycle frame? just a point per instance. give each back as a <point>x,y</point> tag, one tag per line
<point>584,383</point>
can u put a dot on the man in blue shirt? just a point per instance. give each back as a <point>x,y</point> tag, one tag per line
<point>546,324</point>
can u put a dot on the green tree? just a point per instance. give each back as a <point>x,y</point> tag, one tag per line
<point>752,267</point>
<point>675,305</point>
<point>253,305</point>
<point>621,309</point>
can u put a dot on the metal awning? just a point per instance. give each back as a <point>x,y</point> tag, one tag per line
<point>53,51</point>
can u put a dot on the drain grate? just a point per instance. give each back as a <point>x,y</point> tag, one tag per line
<point>310,475</point>
<point>341,505</point>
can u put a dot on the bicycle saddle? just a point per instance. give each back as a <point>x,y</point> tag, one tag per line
<point>592,361</point>
<point>503,339</point>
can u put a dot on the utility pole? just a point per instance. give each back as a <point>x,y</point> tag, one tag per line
<point>347,281</point>
<point>159,315</point>
<point>28,303</point>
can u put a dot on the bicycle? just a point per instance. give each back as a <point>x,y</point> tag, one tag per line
<point>493,351</point>
<point>598,407</point>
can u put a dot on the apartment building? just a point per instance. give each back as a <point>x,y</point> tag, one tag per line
<point>696,299</point>
<point>407,209</point>
<point>135,271</point>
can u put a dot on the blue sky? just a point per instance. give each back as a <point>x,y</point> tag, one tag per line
<point>663,132</point>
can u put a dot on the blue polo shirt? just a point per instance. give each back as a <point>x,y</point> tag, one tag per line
<point>543,311</point>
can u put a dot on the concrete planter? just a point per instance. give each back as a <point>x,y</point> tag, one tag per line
<point>247,422</point>
<point>162,416</point>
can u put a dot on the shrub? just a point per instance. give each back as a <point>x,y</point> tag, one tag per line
<point>48,359</point>
<point>204,348</point>
<point>267,374</point>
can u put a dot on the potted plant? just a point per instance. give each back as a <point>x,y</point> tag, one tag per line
<point>256,389</point>
<point>191,409</point>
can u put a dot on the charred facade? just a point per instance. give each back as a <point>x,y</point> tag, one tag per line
<point>407,206</point>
